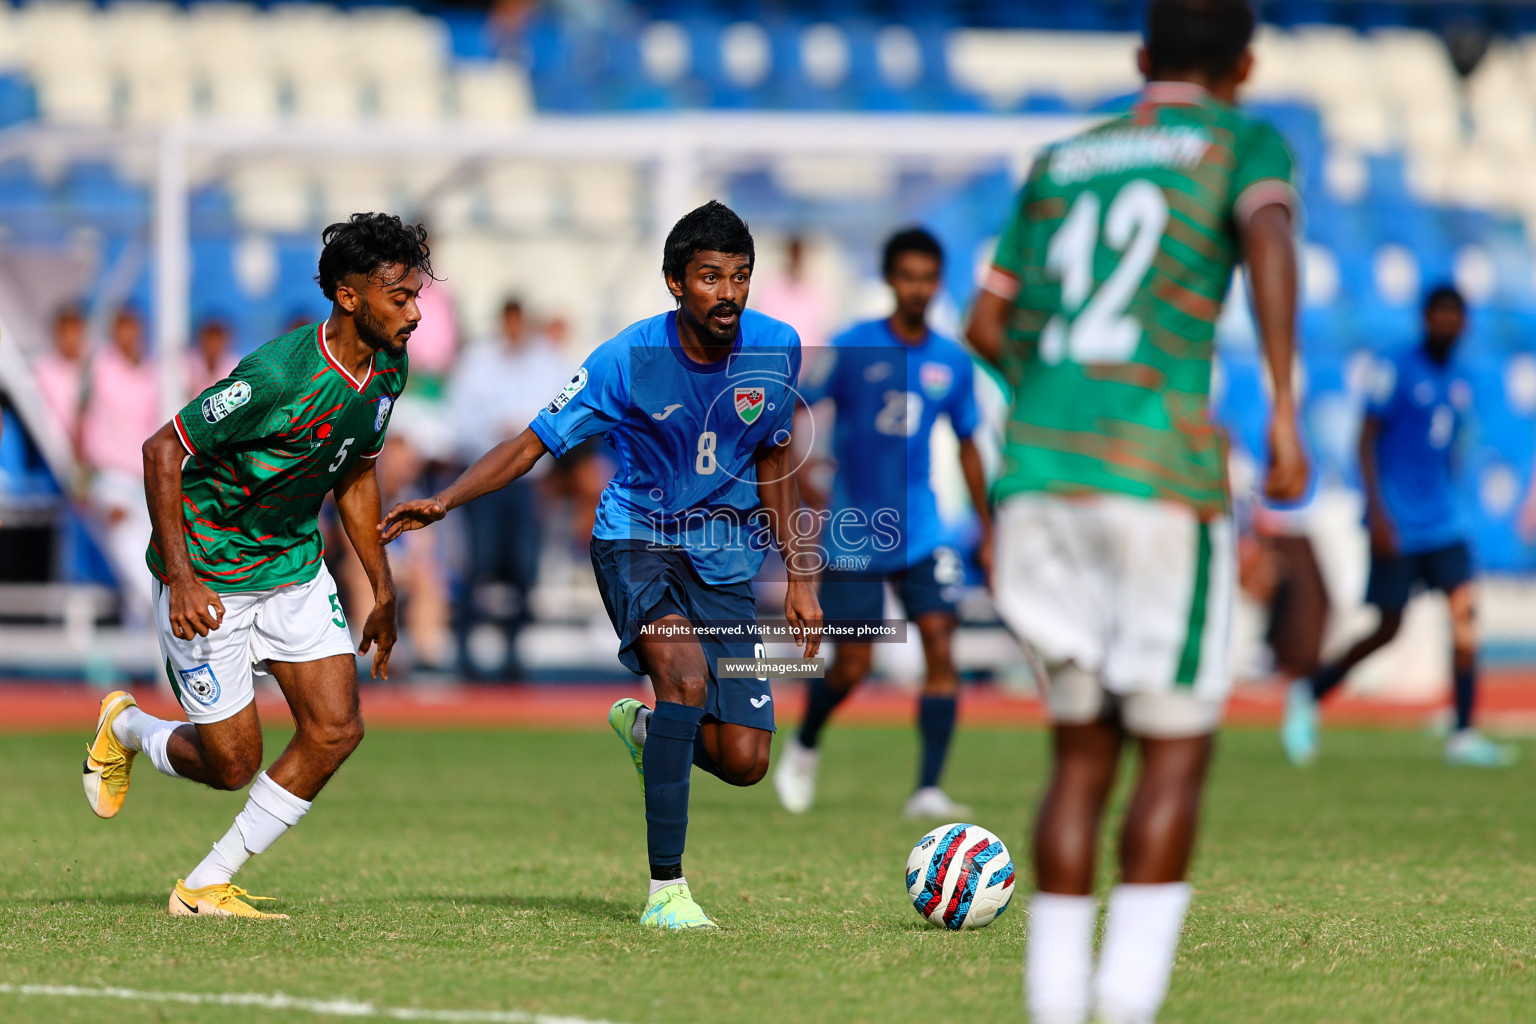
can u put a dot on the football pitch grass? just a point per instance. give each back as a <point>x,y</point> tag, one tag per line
<point>506,870</point>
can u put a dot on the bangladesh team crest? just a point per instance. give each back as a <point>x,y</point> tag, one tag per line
<point>200,684</point>
<point>749,404</point>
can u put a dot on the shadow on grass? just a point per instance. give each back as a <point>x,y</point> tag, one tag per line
<point>584,906</point>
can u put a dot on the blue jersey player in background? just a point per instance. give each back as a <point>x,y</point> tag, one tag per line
<point>890,381</point>
<point>1417,536</point>
<point>698,406</point>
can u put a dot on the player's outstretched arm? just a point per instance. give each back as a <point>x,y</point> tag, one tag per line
<point>779,495</point>
<point>491,472</point>
<point>194,607</point>
<point>989,318</point>
<point>1270,251</point>
<point>358,501</point>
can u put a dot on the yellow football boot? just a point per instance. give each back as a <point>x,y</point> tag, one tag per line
<point>227,900</point>
<point>107,761</point>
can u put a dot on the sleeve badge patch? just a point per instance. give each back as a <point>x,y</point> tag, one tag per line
<point>216,407</point>
<point>382,416</point>
<point>569,391</point>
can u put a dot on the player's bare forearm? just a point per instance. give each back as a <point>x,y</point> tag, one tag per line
<point>360,505</point>
<point>976,483</point>
<point>1383,535</point>
<point>491,472</point>
<point>1270,252</point>
<point>163,454</point>
<point>194,607</point>
<point>779,494</point>
<point>989,321</point>
<point>780,497</point>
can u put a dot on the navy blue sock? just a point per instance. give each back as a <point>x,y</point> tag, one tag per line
<point>1325,679</point>
<point>820,701</point>
<point>668,762</point>
<point>936,723</point>
<point>701,758</point>
<point>1466,695</point>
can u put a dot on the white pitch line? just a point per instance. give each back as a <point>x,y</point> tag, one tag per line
<point>278,1001</point>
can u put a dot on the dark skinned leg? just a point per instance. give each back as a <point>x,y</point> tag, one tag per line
<point>1332,675</point>
<point>223,755</point>
<point>1160,824</point>
<point>937,630</point>
<point>1067,827</point>
<point>328,723</point>
<point>850,665</point>
<point>679,673</point>
<point>849,668</point>
<point>739,751</point>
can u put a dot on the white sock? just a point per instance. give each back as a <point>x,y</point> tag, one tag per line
<point>1141,935</point>
<point>147,734</point>
<point>1058,960</point>
<point>661,883</point>
<point>641,728</point>
<point>270,810</point>
<point>227,856</point>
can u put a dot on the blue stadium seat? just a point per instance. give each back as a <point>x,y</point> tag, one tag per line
<point>18,100</point>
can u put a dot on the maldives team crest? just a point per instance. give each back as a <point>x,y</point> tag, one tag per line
<point>749,404</point>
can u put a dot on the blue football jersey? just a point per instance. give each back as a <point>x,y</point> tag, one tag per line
<point>888,395</point>
<point>687,436</point>
<point>1421,405</point>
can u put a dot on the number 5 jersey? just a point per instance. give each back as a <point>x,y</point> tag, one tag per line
<point>265,445</point>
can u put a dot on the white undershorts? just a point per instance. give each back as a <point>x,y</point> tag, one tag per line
<point>1127,601</point>
<point>214,675</point>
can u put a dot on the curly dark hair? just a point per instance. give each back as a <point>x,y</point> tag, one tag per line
<point>713,227</point>
<point>367,242</point>
<point>1198,35</point>
<point>913,239</point>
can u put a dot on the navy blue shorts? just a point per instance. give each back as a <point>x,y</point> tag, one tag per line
<point>641,584</point>
<point>932,585</point>
<point>1394,577</point>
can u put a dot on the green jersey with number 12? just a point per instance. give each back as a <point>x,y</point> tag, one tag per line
<point>266,445</point>
<point>1118,259</point>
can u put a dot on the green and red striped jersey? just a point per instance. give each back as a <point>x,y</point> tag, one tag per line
<point>1118,260</point>
<point>266,444</point>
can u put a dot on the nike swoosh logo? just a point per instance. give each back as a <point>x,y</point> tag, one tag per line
<point>758,702</point>
<point>666,412</point>
<point>186,904</point>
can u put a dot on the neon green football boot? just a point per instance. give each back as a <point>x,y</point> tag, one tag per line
<point>672,908</point>
<point>621,718</point>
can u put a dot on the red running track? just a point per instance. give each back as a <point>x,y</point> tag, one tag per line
<point>1508,702</point>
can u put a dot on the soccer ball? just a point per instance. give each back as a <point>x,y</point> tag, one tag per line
<point>960,876</point>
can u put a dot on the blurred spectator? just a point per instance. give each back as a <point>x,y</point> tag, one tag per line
<point>60,373</point>
<point>579,476</point>
<point>802,303</point>
<point>498,388</point>
<point>122,410</point>
<point>211,358</point>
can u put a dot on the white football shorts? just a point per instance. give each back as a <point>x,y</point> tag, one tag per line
<point>1127,601</point>
<point>214,675</point>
